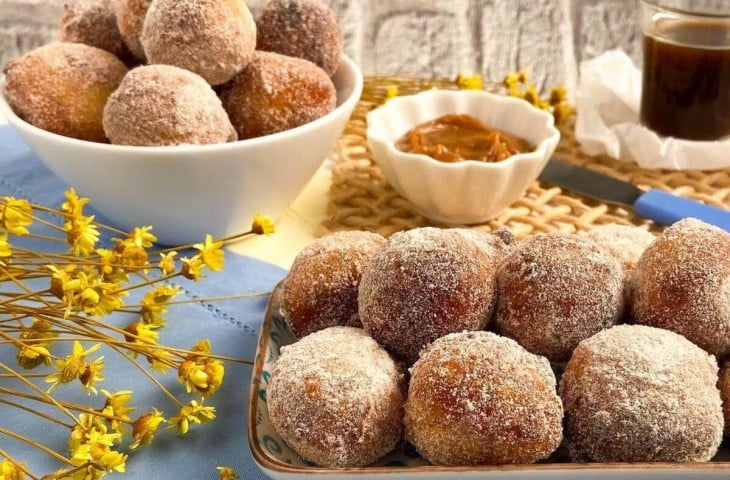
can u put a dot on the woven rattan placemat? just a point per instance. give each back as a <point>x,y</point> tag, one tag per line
<point>361,198</point>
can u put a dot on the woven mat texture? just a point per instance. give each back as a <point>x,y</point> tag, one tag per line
<point>361,198</point>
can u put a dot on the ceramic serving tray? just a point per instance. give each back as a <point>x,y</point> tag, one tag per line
<point>279,461</point>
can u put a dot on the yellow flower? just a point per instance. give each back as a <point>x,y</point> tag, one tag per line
<point>71,367</point>
<point>154,303</point>
<point>511,80</point>
<point>205,376</point>
<point>37,339</point>
<point>60,280</point>
<point>159,359</point>
<point>92,374</point>
<point>167,262</point>
<point>11,471</point>
<point>89,443</point>
<point>81,234</point>
<point>15,215</point>
<point>192,268</point>
<point>470,82</point>
<point>561,112</point>
<point>145,428</point>
<point>31,356</point>
<point>74,205</point>
<point>6,249</point>
<point>211,253</point>
<point>141,333</point>
<point>142,237</point>
<point>194,412</point>
<point>116,406</point>
<point>391,91</point>
<point>262,225</point>
<point>227,473</point>
<point>133,257</point>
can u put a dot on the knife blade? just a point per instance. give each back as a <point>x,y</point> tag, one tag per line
<point>661,207</point>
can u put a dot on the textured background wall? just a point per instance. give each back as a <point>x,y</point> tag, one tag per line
<point>430,37</point>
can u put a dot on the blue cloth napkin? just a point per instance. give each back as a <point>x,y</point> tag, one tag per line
<point>232,326</point>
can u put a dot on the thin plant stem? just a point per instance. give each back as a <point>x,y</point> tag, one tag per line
<point>33,443</point>
<point>36,412</point>
<point>17,465</point>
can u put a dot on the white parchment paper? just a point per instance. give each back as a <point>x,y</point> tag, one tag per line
<point>607,104</point>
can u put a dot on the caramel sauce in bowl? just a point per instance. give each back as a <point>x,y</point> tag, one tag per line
<point>459,137</point>
<point>465,191</point>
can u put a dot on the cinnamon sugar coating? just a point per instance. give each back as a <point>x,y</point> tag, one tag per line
<point>682,283</point>
<point>305,29</point>
<point>555,290</point>
<point>165,105</point>
<point>634,393</point>
<point>624,242</point>
<point>423,284</point>
<point>321,287</point>
<point>212,38</point>
<point>94,23</point>
<point>62,87</point>
<point>724,385</point>
<point>130,16</point>
<point>477,398</point>
<point>276,93</point>
<point>336,397</point>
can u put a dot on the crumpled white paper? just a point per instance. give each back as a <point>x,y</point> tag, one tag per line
<point>607,104</point>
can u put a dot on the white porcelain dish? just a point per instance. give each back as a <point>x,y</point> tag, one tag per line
<point>186,191</point>
<point>469,191</point>
<point>278,461</point>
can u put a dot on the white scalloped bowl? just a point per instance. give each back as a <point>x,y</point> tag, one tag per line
<point>468,191</point>
<point>186,191</point>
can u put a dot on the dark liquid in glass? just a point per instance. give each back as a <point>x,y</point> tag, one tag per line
<point>686,81</point>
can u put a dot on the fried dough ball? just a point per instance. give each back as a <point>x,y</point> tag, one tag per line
<point>724,386</point>
<point>336,397</point>
<point>165,105</point>
<point>634,393</point>
<point>130,19</point>
<point>624,242</point>
<point>276,93</point>
<point>423,284</point>
<point>555,290</point>
<point>94,23</point>
<point>321,287</point>
<point>682,283</point>
<point>305,29</point>
<point>478,398</point>
<point>62,88</point>
<point>212,38</point>
<point>495,245</point>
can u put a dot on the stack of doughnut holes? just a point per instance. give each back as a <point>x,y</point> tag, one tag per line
<point>457,333</point>
<point>172,72</point>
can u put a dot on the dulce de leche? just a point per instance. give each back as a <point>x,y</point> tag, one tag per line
<point>457,137</point>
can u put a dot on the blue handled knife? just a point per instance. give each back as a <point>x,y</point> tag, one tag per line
<point>661,207</point>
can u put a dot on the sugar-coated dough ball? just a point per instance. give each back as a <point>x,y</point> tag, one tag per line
<point>624,242</point>
<point>682,283</point>
<point>94,23</point>
<point>634,393</point>
<point>212,38</point>
<point>724,386</point>
<point>306,29</point>
<point>276,93</point>
<point>63,87</point>
<point>478,398</point>
<point>496,245</point>
<point>165,105</point>
<point>555,290</point>
<point>321,287</point>
<point>130,19</point>
<point>423,284</point>
<point>336,397</point>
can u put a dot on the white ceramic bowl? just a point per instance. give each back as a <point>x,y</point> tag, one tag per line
<point>469,191</point>
<point>186,191</point>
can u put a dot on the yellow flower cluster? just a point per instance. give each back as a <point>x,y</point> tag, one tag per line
<point>556,102</point>
<point>83,286</point>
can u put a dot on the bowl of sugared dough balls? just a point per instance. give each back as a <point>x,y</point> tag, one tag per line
<point>197,132</point>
